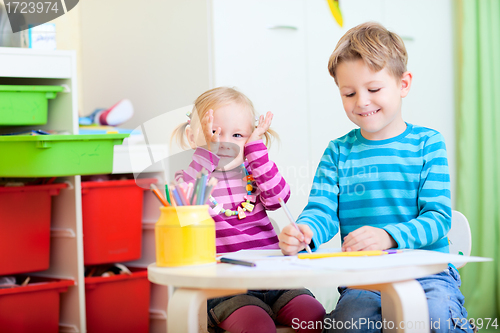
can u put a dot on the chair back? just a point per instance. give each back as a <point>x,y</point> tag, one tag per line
<point>459,236</point>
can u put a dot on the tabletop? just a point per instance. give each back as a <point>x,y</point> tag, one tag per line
<point>334,271</point>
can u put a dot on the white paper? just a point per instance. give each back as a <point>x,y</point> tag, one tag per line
<point>273,260</point>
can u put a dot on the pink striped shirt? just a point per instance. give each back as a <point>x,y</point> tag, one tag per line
<point>255,231</point>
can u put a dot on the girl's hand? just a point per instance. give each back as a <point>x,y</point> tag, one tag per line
<point>368,239</point>
<point>292,241</point>
<point>262,127</point>
<point>211,137</point>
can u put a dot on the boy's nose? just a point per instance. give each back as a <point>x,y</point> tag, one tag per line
<point>363,101</point>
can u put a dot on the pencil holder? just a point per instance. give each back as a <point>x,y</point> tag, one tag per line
<point>185,235</point>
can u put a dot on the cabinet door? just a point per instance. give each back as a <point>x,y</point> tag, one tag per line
<point>259,47</point>
<point>428,37</point>
<point>328,119</point>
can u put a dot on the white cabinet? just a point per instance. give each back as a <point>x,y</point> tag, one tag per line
<point>258,47</point>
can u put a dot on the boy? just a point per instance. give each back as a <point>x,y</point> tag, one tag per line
<point>386,184</point>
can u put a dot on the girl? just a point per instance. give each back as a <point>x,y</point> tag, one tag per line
<point>230,147</point>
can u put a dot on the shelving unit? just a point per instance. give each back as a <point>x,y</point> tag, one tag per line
<point>33,67</point>
<point>26,66</point>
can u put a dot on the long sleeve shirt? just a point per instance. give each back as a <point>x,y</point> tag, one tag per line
<point>401,185</point>
<point>255,231</point>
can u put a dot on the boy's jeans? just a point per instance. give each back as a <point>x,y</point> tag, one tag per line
<point>360,309</point>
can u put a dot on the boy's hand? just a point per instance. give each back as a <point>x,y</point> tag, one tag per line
<point>211,138</point>
<point>262,127</point>
<point>368,239</point>
<point>292,241</point>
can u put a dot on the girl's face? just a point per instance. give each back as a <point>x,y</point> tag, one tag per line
<point>236,123</point>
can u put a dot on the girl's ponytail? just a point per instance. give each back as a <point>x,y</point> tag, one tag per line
<point>179,135</point>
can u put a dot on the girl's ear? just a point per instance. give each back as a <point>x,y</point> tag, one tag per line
<point>406,83</point>
<point>190,137</point>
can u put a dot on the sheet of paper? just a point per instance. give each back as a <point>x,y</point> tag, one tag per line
<point>265,260</point>
<point>268,260</point>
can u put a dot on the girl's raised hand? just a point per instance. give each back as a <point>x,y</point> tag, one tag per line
<point>211,137</point>
<point>262,127</point>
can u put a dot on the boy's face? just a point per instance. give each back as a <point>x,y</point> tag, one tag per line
<point>372,100</point>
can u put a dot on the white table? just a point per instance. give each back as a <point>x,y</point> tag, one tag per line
<point>403,298</point>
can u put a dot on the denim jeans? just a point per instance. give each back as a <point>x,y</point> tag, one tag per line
<point>360,310</point>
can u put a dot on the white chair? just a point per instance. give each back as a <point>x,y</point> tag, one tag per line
<point>459,236</point>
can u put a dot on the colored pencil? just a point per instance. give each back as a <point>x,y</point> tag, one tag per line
<point>195,188</point>
<point>237,262</point>
<point>177,197</point>
<point>167,193</point>
<point>189,190</point>
<point>210,188</point>
<point>174,203</point>
<point>292,221</point>
<point>158,194</point>
<point>180,194</point>
<point>181,189</point>
<point>200,196</point>
<point>340,254</point>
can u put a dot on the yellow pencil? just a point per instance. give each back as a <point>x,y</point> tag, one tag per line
<point>340,254</point>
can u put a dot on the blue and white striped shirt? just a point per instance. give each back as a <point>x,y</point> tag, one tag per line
<point>401,185</point>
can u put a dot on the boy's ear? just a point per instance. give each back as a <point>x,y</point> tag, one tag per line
<point>406,83</point>
<point>190,137</point>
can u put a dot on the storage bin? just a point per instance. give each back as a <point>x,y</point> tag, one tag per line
<point>32,308</point>
<point>118,303</point>
<point>112,220</point>
<point>25,213</point>
<point>57,155</point>
<point>25,105</point>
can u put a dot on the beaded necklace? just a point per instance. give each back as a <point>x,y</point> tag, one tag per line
<point>247,205</point>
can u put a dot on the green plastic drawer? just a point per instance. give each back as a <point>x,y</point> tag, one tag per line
<point>25,105</point>
<point>57,155</point>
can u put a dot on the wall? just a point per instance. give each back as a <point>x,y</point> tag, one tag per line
<point>154,53</point>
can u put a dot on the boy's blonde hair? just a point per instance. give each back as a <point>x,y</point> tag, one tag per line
<point>214,99</point>
<point>375,45</point>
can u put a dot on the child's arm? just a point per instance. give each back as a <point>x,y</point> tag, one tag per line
<point>434,220</point>
<point>321,212</point>
<point>202,158</point>
<point>265,172</point>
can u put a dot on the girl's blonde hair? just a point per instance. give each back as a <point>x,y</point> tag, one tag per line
<point>214,99</point>
<point>375,45</point>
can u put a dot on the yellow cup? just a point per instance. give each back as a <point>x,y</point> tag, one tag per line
<point>185,235</point>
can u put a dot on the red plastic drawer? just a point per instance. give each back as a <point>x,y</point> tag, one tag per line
<point>112,220</point>
<point>118,303</point>
<point>32,308</point>
<point>25,214</point>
